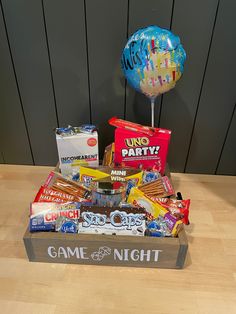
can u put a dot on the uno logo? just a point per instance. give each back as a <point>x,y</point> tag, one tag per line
<point>91,141</point>
<point>138,141</point>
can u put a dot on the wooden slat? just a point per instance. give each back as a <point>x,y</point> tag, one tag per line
<point>227,164</point>
<point>14,143</point>
<point>26,31</point>
<point>67,44</point>
<point>218,94</point>
<point>193,25</point>
<point>106,30</point>
<point>142,14</point>
<point>148,251</point>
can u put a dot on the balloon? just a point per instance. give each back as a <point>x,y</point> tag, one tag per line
<point>153,60</point>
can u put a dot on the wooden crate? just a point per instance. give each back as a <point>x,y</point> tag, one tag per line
<point>131,251</point>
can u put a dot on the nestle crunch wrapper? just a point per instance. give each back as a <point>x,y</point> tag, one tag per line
<point>137,145</point>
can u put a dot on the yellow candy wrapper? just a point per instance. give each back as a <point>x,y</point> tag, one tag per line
<point>139,199</point>
<point>115,174</point>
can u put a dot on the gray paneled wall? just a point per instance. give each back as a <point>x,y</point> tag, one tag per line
<point>60,64</point>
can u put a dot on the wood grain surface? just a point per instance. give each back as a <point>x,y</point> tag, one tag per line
<point>207,284</point>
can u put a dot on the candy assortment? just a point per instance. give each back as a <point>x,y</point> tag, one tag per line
<point>124,196</point>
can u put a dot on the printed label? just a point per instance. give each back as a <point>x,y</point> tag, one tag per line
<point>115,255</point>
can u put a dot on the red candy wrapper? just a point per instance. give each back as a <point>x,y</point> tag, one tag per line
<point>176,207</point>
<point>53,196</point>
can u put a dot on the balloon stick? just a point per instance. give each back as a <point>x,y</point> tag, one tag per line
<point>152,109</point>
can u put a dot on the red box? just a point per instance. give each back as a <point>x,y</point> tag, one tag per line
<point>136,148</point>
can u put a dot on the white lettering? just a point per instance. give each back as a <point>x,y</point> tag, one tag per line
<point>152,149</point>
<point>147,255</point>
<point>52,252</point>
<point>83,253</point>
<point>70,252</point>
<point>118,254</point>
<point>62,251</point>
<point>124,152</point>
<point>134,255</point>
<point>126,251</point>
<point>156,256</point>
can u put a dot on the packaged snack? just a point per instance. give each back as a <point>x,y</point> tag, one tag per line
<point>149,176</point>
<point>178,208</point>
<point>158,228</point>
<point>139,199</point>
<point>108,158</point>
<point>136,145</point>
<point>49,195</point>
<point>108,193</point>
<point>43,216</point>
<point>112,220</point>
<point>116,174</point>
<point>77,146</point>
<point>66,225</point>
<point>57,182</point>
<point>158,188</point>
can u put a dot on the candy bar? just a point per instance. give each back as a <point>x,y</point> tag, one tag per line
<point>178,208</point>
<point>44,215</point>
<point>112,220</point>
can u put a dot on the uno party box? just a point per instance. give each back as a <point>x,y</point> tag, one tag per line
<point>137,145</point>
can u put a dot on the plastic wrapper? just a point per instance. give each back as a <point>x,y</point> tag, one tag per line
<point>57,182</point>
<point>43,216</point>
<point>161,187</point>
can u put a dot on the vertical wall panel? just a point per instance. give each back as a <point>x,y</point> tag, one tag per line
<point>1,156</point>
<point>14,144</point>
<point>65,23</point>
<point>227,164</point>
<point>218,94</point>
<point>142,14</point>
<point>106,29</point>
<point>24,19</point>
<point>193,22</point>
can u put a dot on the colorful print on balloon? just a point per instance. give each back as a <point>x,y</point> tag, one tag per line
<point>153,60</point>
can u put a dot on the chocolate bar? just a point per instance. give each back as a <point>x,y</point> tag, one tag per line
<point>112,220</point>
<point>44,215</point>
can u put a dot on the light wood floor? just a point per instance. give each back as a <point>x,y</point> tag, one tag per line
<point>207,284</point>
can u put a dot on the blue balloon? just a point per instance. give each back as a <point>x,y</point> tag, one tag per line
<point>153,60</point>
